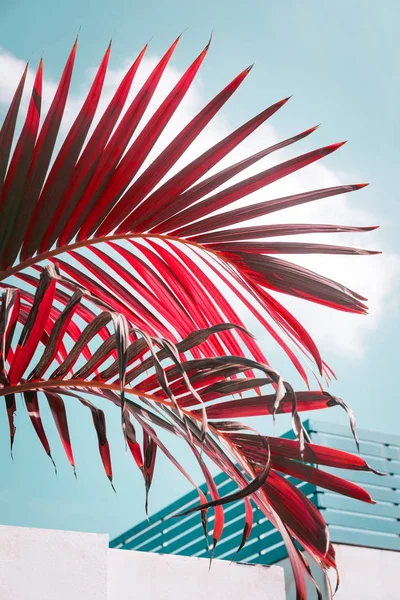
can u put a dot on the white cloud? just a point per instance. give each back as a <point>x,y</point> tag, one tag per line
<point>11,69</point>
<point>373,277</point>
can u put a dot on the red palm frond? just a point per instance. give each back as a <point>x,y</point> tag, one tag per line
<point>144,259</point>
<point>92,195</point>
<point>155,384</point>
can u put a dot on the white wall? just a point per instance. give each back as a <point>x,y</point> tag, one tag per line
<point>39,564</point>
<point>365,574</point>
<point>181,577</point>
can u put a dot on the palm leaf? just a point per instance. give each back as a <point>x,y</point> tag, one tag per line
<point>92,195</point>
<point>144,259</point>
<point>153,383</point>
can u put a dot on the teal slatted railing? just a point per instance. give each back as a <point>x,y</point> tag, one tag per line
<point>352,522</point>
<point>349,521</point>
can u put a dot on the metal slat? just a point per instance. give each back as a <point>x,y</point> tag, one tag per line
<point>371,539</point>
<point>385,465</point>
<point>367,449</point>
<point>272,555</point>
<point>167,528</point>
<point>380,509</point>
<point>178,541</point>
<point>189,498</point>
<point>364,434</point>
<point>261,547</point>
<point>367,522</point>
<point>367,478</point>
<point>380,494</point>
<point>231,545</point>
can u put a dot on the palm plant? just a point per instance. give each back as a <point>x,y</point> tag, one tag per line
<point>112,278</point>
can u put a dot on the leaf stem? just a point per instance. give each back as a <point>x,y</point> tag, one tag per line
<point>92,241</point>
<point>77,383</point>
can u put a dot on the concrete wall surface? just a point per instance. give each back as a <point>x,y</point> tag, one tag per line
<point>165,576</point>
<point>368,573</point>
<point>40,564</point>
<point>365,574</point>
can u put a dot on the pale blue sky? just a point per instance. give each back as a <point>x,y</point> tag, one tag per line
<point>341,61</point>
